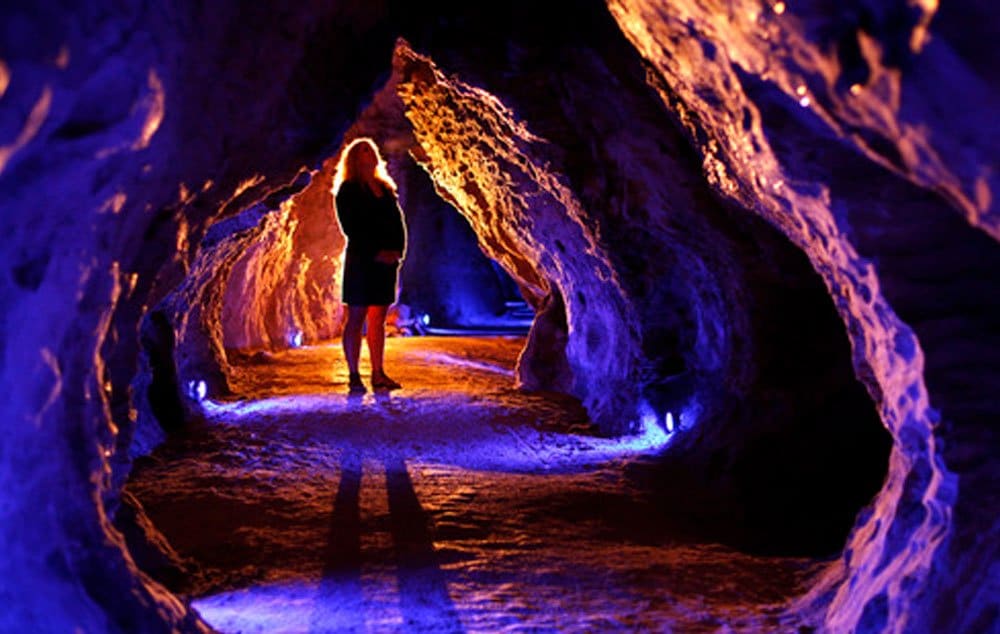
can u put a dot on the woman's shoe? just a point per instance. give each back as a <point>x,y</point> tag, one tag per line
<point>355,384</point>
<point>381,382</point>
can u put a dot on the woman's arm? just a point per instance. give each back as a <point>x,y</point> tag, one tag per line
<point>395,230</point>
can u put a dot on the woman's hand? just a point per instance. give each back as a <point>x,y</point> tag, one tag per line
<point>388,257</point>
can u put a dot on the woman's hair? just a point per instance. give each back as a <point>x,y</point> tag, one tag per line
<point>348,168</point>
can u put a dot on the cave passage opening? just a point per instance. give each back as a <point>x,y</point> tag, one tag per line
<point>787,447</point>
<point>134,132</point>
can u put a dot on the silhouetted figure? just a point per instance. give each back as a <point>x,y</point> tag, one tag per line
<point>371,219</point>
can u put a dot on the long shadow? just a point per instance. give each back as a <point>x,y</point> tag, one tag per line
<point>423,589</point>
<point>340,604</point>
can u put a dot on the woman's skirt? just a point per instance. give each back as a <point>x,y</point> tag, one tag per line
<point>368,282</point>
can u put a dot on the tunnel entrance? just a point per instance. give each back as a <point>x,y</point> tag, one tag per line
<point>447,285</point>
<point>782,450</point>
<point>284,287</point>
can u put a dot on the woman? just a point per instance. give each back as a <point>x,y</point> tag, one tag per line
<point>372,221</point>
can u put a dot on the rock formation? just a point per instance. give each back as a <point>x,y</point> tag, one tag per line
<point>777,222</point>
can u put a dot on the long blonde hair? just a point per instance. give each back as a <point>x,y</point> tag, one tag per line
<point>349,170</point>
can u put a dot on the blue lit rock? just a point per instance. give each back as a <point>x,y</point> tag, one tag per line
<point>908,252</point>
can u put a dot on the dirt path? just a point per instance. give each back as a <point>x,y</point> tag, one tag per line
<point>455,504</point>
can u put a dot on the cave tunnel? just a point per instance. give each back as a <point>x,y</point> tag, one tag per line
<point>753,255</point>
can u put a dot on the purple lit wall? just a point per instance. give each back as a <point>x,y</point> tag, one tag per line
<point>782,214</point>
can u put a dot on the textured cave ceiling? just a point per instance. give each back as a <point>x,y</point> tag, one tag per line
<point>784,212</point>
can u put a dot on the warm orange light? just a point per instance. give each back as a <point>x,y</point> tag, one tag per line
<point>39,112</point>
<point>115,203</point>
<point>4,77</point>
<point>62,60</point>
<point>778,7</point>
<point>155,104</point>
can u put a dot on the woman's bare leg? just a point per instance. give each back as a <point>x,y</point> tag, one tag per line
<point>376,337</point>
<point>352,336</point>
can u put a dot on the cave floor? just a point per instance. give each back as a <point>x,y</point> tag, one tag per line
<point>454,504</point>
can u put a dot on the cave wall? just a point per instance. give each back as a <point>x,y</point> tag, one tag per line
<point>127,131</point>
<point>481,159</point>
<point>284,288</point>
<point>869,80</point>
<point>125,127</point>
<point>721,303</point>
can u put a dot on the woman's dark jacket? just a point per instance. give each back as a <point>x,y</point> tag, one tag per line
<point>372,224</point>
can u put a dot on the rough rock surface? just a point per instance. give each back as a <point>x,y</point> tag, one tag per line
<point>643,169</point>
<point>869,80</point>
<point>716,335</point>
<point>124,129</point>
